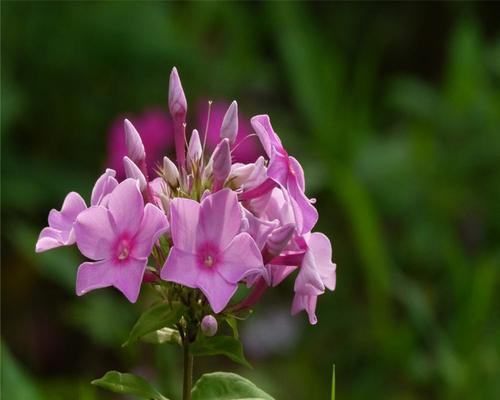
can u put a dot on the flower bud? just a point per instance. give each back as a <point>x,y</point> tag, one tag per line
<point>176,98</point>
<point>194,148</point>
<point>135,148</point>
<point>133,171</point>
<point>171,172</point>
<point>229,128</point>
<point>222,161</point>
<point>209,325</point>
<point>279,238</point>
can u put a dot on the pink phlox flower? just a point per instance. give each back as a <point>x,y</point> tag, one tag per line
<point>104,185</point>
<point>286,171</point>
<point>118,238</point>
<point>60,230</point>
<point>316,274</point>
<point>210,253</point>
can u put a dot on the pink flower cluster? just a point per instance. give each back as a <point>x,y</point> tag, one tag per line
<point>205,222</point>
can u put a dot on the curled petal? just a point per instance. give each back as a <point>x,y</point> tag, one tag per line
<point>103,187</point>
<point>306,303</point>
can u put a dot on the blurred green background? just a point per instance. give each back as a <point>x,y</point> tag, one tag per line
<point>393,110</point>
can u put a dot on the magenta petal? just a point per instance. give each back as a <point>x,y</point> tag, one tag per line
<point>94,233</point>
<point>184,216</point>
<point>103,186</point>
<point>126,206</point>
<point>241,258</point>
<point>216,289</point>
<point>307,303</point>
<point>128,277</point>
<point>305,213</point>
<point>181,267</point>
<point>154,223</point>
<point>94,275</point>
<point>280,272</point>
<point>220,219</point>
<point>297,172</point>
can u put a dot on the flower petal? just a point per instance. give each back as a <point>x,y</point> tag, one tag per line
<point>126,206</point>
<point>103,186</point>
<point>305,213</point>
<point>321,247</point>
<point>269,139</point>
<point>307,303</point>
<point>220,219</point>
<point>94,275</point>
<point>216,289</point>
<point>308,279</point>
<point>49,238</point>
<point>181,267</point>
<point>128,277</point>
<point>72,206</point>
<point>153,224</point>
<point>241,258</point>
<point>184,216</point>
<point>94,233</point>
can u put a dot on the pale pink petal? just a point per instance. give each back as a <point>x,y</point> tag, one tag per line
<point>220,219</point>
<point>72,206</point>
<point>128,277</point>
<point>216,289</point>
<point>103,186</point>
<point>278,168</point>
<point>297,171</point>
<point>49,238</point>
<point>321,247</point>
<point>306,303</point>
<point>94,233</point>
<point>269,139</point>
<point>308,279</point>
<point>279,273</point>
<point>94,275</point>
<point>241,258</point>
<point>258,229</point>
<point>154,223</point>
<point>305,213</point>
<point>126,206</point>
<point>184,216</point>
<point>181,267</point>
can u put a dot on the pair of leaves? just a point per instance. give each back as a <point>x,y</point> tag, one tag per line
<point>157,317</point>
<point>224,345</point>
<point>214,386</point>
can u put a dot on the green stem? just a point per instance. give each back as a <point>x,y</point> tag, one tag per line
<point>188,371</point>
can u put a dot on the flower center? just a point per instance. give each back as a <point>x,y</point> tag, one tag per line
<point>209,260</point>
<point>123,249</point>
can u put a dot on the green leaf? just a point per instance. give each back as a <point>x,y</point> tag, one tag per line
<point>157,317</point>
<point>124,383</point>
<point>164,335</point>
<point>227,386</point>
<point>233,323</point>
<point>225,345</point>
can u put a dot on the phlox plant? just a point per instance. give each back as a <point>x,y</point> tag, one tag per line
<point>199,230</point>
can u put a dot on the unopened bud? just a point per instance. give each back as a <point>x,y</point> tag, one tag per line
<point>135,147</point>
<point>229,128</point>
<point>222,161</point>
<point>279,239</point>
<point>176,98</point>
<point>171,172</point>
<point>209,325</point>
<point>133,171</point>
<point>194,147</point>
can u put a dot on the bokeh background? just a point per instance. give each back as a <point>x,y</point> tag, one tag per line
<point>393,110</point>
